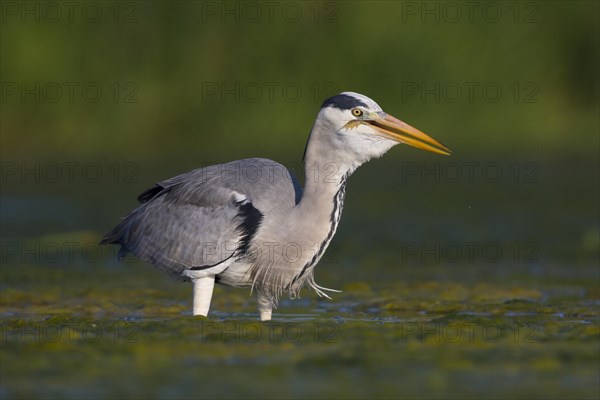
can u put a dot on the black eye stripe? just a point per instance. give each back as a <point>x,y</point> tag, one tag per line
<point>343,102</point>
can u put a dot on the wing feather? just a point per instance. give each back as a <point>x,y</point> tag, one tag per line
<point>202,218</point>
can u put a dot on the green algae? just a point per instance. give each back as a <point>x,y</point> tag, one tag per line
<point>72,336</point>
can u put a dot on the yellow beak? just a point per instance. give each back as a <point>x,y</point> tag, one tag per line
<point>399,131</point>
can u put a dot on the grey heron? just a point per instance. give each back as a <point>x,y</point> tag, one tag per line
<point>249,223</point>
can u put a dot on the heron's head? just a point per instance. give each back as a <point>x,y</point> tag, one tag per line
<point>352,127</point>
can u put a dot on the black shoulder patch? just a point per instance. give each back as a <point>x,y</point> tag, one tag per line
<point>251,221</point>
<point>343,102</point>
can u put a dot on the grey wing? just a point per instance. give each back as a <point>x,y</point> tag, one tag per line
<point>184,224</point>
<point>200,219</point>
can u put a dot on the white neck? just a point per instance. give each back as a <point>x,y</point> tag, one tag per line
<point>325,170</point>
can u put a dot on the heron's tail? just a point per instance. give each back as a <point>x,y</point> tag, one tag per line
<point>116,236</point>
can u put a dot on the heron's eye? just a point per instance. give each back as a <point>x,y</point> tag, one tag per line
<point>357,112</point>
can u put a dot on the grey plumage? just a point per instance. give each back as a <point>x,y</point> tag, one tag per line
<point>249,223</point>
<point>204,217</point>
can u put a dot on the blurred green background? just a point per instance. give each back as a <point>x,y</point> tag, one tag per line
<point>102,99</point>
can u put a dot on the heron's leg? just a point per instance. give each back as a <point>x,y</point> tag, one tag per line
<point>203,290</point>
<point>265,307</point>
